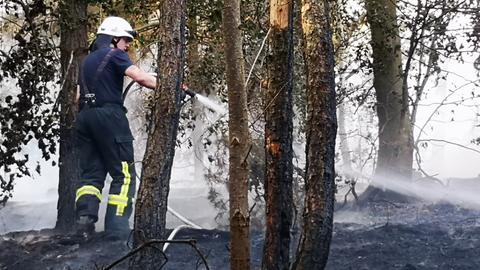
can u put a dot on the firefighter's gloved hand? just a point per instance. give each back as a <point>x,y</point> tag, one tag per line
<point>187,91</point>
<point>183,95</point>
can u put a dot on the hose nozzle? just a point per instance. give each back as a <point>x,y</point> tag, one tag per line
<point>190,92</point>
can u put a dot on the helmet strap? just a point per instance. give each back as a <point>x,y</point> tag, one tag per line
<point>115,40</point>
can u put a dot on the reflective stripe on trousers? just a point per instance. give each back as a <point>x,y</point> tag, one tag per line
<point>121,200</point>
<point>88,190</point>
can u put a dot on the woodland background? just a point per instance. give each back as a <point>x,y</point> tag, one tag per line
<point>398,78</point>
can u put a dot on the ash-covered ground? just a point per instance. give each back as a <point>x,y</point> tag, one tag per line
<point>380,236</point>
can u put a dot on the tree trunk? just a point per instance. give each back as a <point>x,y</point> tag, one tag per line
<point>395,152</point>
<point>196,82</point>
<point>344,148</point>
<point>278,137</point>
<point>73,47</point>
<point>239,138</point>
<point>151,205</point>
<point>320,132</point>
<point>395,149</point>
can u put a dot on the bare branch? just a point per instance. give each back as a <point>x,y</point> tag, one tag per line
<point>452,143</point>
<point>152,242</point>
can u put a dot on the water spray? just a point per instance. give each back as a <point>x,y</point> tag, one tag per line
<point>205,101</point>
<point>187,91</point>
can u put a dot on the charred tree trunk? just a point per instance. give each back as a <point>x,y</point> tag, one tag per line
<point>321,132</point>
<point>395,150</point>
<point>239,138</point>
<point>73,47</point>
<point>278,137</point>
<point>151,205</point>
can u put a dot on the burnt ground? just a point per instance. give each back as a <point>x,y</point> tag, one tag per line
<point>380,236</point>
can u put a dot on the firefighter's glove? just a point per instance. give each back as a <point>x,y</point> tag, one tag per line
<point>187,91</point>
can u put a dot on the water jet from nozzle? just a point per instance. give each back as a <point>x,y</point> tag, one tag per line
<point>212,105</point>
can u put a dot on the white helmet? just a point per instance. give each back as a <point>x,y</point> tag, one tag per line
<point>116,27</point>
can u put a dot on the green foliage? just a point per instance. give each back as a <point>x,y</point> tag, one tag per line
<point>25,116</point>
<point>204,35</point>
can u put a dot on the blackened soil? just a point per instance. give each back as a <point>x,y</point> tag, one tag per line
<point>379,236</point>
<point>404,236</point>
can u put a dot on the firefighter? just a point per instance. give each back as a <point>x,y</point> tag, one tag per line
<point>104,138</point>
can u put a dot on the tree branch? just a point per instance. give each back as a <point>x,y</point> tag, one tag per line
<point>449,142</point>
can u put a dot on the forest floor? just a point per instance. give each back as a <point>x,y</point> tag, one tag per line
<point>379,236</point>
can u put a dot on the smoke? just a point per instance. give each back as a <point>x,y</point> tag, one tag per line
<point>463,192</point>
<point>459,191</point>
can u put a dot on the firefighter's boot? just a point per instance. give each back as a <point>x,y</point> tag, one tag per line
<point>85,226</point>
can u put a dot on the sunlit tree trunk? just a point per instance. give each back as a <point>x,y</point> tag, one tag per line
<point>239,138</point>
<point>395,152</point>
<point>73,47</point>
<point>151,205</point>
<point>278,137</point>
<point>321,128</point>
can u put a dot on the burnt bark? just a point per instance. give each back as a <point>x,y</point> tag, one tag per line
<point>239,138</point>
<point>152,198</point>
<point>73,47</point>
<point>278,137</point>
<point>321,128</point>
<point>395,149</point>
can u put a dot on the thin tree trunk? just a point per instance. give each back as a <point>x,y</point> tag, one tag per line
<point>196,82</point>
<point>321,132</point>
<point>151,205</point>
<point>344,148</point>
<point>73,47</point>
<point>239,138</point>
<point>278,137</point>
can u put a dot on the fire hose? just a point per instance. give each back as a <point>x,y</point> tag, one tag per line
<point>186,90</point>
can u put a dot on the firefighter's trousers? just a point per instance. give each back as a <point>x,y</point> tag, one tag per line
<point>105,145</point>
